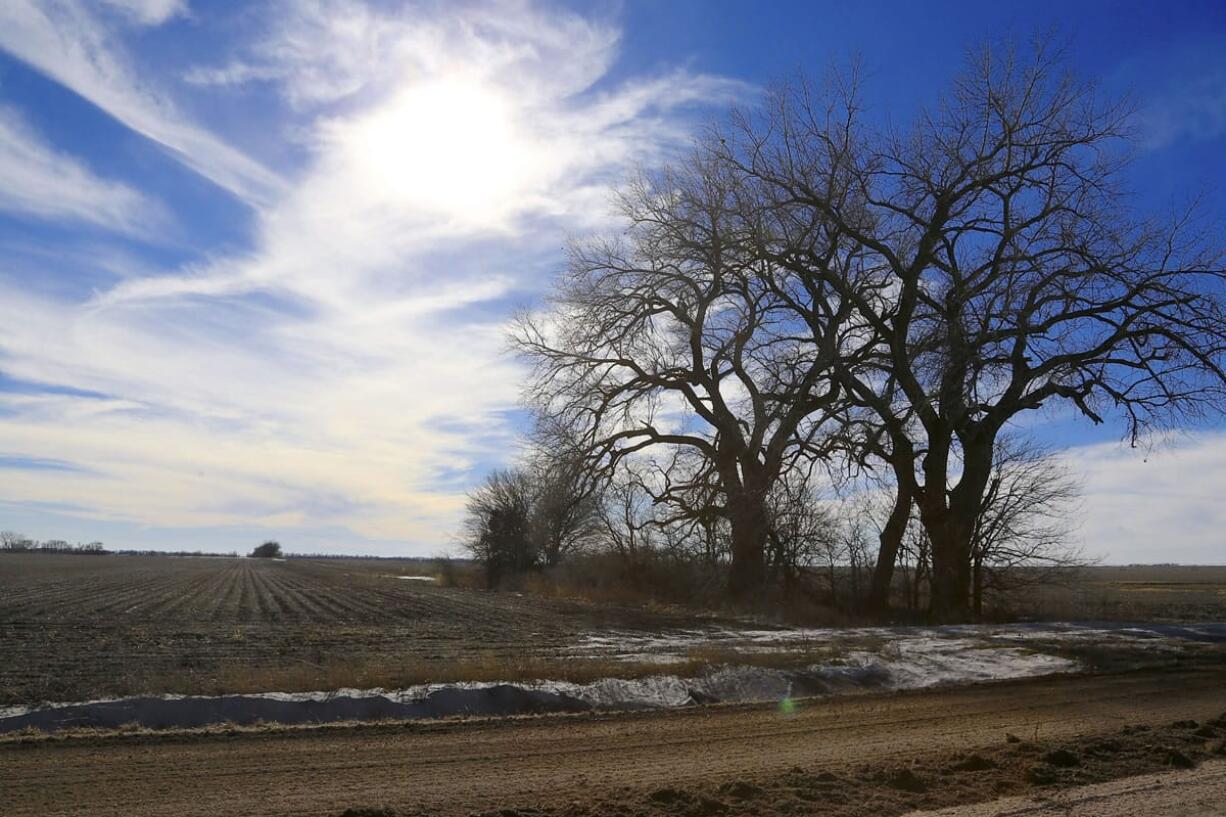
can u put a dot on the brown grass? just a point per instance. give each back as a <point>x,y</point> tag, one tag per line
<point>1133,593</point>
<point>376,673</point>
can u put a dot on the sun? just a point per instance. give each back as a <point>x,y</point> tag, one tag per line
<point>449,147</point>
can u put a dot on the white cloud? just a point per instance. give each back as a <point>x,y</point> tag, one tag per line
<point>1161,503</point>
<point>323,51</point>
<point>1194,109</point>
<point>65,41</point>
<point>480,126</point>
<point>149,12</point>
<point>1179,88</point>
<point>231,74</point>
<point>349,365</point>
<point>39,181</point>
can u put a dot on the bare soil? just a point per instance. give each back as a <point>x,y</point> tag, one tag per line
<point>76,628</point>
<point>83,627</point>
<point>857,756</point>
<point>1197,792</point>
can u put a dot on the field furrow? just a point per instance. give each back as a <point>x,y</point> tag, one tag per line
<point>81,627</point>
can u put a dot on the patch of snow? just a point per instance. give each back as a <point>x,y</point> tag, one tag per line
<point>911,664</point>
<point>417,578</point>
<point>926,662</point>
<point>633,646</point>
<point>870,658</point>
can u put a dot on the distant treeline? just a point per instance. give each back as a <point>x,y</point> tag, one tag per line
<point>16,542</point>
<point>417,559</point>
<point>231,555</point>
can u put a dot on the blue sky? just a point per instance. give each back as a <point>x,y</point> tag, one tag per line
<point>255,258</point>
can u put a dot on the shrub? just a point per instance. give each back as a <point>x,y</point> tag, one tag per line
<point>268,550</point>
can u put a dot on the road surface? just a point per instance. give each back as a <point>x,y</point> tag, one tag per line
<point>588,764</point>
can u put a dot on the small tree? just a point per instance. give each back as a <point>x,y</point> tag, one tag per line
<point>801,534</point>
<point>1024,532</point>
<point>565,509</point>
<point>499,524</point>
<point>268,550</point>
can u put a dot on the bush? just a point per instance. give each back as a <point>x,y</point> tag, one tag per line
<point>268,550</point>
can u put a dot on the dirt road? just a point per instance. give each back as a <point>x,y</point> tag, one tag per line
<point>1196,793</point>
<point>644,763</point>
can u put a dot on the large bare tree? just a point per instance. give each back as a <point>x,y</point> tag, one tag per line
<point>1012,274</point>
<point>679,341</point>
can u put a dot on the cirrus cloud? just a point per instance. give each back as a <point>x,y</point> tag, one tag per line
<point>347,369</point>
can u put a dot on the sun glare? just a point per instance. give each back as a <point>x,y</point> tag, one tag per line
<point>449,147</point>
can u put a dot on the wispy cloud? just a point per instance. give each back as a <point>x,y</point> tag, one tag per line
<point>351,363</point>
<point>66,41</point>
<point>149,12</point>
<point>1179,89</point>
<point>36,180</point>
<point>231,74</point>
<point>1193,109</point>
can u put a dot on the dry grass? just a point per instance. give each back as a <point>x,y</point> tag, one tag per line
<point>377,673</point>
<point>668,586</point>
<point>1134,593</point>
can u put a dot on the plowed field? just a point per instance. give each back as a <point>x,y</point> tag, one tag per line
<point>81,627</point>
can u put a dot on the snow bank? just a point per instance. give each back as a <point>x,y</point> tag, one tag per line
<point>919,663</point>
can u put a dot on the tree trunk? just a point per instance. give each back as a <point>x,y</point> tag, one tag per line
<point>977,587</point>
<point>949,543</point>
<point>747,519</point>
<point>952,532</point>
<point>890,541</point>
<point>951,572</point>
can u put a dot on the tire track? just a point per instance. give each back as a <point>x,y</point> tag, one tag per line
<point>458,767</point>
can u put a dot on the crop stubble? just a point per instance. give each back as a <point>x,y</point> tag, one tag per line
<point>81,627</point>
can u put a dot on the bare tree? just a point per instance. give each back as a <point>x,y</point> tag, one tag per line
<point>916,552</point>
<point>625,516</point>
<point>1024,533</point>
<point>1010,274</point>
<point>682,344</point>
<point>497,529</point>
<point>802,532</point>
<point>565,508</point>
<point>11,540</point>
<point>532,516</point>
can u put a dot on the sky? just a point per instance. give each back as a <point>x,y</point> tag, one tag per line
<point>256,259</point>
